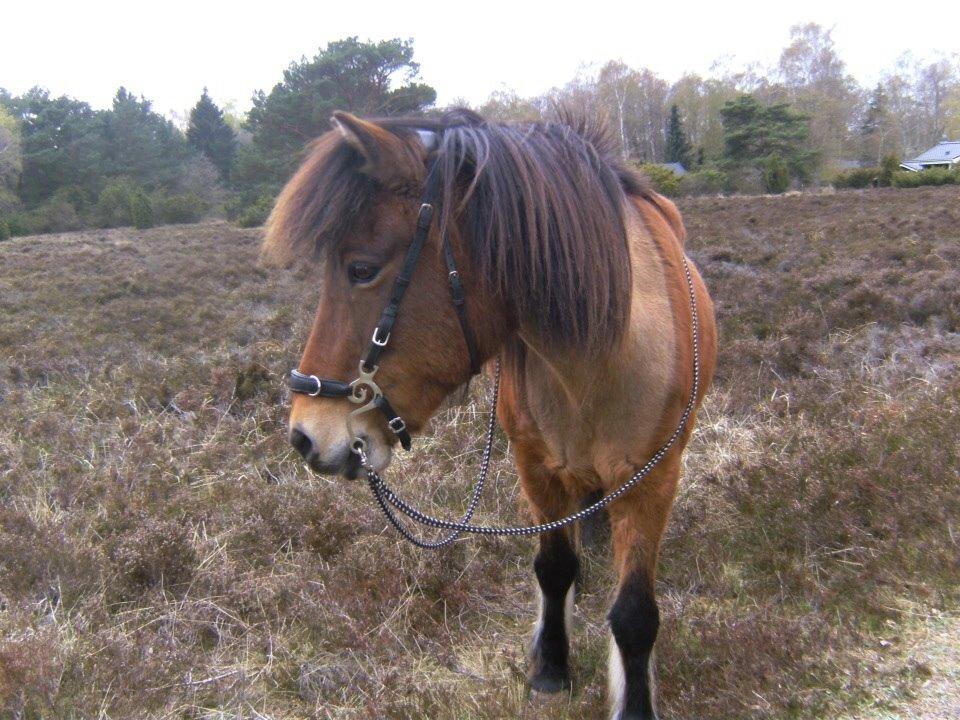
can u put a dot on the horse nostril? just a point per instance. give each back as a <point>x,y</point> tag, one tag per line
<point>301,443</point>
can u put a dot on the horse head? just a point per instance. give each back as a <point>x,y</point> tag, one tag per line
<point>354,207</point>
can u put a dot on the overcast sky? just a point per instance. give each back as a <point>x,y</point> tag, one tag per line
<point>168,51</point>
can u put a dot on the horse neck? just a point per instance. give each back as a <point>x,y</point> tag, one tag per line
<point>575,397</point>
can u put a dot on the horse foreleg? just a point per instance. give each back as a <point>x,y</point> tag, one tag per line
<point>556,567</point>
<point>637,523</point>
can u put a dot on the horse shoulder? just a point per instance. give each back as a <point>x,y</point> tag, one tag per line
<point>664,225</point>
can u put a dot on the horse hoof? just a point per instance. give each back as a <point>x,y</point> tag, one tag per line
<point>549,683</point>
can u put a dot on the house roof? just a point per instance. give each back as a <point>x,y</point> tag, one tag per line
<point>947,151</point>
<point>675,168</point>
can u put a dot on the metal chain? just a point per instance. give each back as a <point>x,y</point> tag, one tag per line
<point>477,488</point>
<point>386,497</point>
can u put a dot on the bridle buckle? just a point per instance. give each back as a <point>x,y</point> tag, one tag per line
<point>397,425</point>
<point>377,341</point>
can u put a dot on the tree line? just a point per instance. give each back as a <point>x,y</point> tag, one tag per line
<point>65,165</point>
<point>805,116</point>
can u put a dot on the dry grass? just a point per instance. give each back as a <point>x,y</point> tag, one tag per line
<point>163,554</point>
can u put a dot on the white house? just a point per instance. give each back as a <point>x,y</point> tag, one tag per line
<point>944,155</point>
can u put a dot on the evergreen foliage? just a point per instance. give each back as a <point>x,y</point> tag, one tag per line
<point>857,178</point>
<point>888,166</point>
<point>933,176</point>
<point>114,206</point>
<point>876,127</point>
<point>141,210</point>
<point>664,180</point>
<point>255,213</point>
<point>61,144</point>
<point>140,144</point>
<point>181,208</point>
<point>679,149</point>
<point>753,133</point>
<point>209,133</point>
<point>876,112</point>
<point>64,164</point>
<point>776,176</point>
<point>11,158</point>
<point>346,75</point>
<point>882,176</point>
<point>706,181</point>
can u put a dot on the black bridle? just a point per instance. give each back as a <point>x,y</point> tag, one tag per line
<point>363,390</point>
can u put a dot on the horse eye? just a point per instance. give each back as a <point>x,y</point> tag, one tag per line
<point>361,272</point>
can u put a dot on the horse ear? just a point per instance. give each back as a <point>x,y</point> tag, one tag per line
<point>364,137</point>
<point>388,158</point>
<point>429,139</point>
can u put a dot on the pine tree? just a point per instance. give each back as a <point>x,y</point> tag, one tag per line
<point>367,78</point>
<point>678,147</point>
<point>209,133</point>
<point>875,127</point>
<point>141,144</point>
<point>753,132</point>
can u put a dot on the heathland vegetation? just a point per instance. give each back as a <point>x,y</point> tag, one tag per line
<point>65,165</point>
<point>164,553</point>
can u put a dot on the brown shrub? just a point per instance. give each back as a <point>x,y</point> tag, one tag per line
<point>156,552</point>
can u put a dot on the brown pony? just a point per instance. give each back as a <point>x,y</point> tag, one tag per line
<point>574,279</point>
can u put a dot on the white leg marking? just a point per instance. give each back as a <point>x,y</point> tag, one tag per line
<point>616,679</point>
<point>652,677</point>
<point>568,603</point>
<point>568,612</point>
<point>538,624</point>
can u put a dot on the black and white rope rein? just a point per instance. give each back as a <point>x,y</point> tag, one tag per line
<point>388,500</point>
<point>474,496</point>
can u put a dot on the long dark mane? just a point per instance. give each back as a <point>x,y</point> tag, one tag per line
<point>540,206</point>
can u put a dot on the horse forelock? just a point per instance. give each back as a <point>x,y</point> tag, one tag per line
<point>320,204</point>
<point>539,206</point>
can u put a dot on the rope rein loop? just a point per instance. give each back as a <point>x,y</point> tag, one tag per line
<point>474,496</point>
<point>388,500</point>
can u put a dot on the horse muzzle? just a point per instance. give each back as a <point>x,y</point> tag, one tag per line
<point>331,453</point>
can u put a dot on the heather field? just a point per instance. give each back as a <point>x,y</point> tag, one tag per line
<point>164,554</point>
